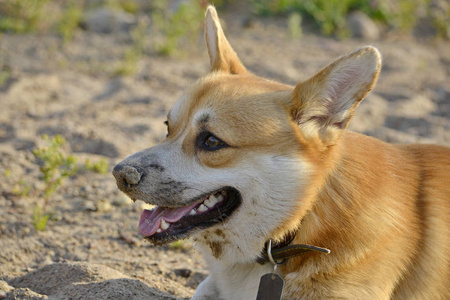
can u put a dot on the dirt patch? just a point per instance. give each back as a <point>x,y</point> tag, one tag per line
<point>90,253</point>
<point>81,281</point>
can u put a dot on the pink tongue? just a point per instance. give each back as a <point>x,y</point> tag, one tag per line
<point>151,219</point>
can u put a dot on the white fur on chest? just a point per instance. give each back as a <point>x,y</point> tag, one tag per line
<point>235,282</point>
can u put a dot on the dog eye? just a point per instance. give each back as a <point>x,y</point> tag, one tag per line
<point>213,142</point>
<point>209,142</point>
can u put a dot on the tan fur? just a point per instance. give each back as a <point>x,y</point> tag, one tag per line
<point>383,210</point>
<point>385,217</point>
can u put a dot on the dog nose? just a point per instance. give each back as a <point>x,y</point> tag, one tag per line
<point>126,176</point>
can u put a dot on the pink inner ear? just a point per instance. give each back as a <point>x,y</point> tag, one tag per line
<point>341,93</point>
<point>331,96</point>
<point>338,124</point>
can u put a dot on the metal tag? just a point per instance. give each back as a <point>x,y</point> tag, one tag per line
<point>270,287</point>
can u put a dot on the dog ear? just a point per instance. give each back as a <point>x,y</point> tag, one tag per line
<point>221,55</point>
<point>323,105</point>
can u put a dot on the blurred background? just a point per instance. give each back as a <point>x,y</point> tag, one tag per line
<point>180,17</point>
<point>83,84</point>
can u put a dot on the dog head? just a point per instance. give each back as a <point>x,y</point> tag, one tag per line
<point>244,155</point>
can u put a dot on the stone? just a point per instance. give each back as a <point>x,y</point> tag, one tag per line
<point>361,26</point>
<point>5,287</point>
<point>106,20</point>
<point>103,205</point>
<point>122,200</point>
<point>195,279</point>
<point>183,272</point>
<point>25,294</point>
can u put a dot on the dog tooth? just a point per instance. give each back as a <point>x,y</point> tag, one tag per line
<point>210,202</point>
<point>202,208</point>
<point>164,224</point>
<point>192,212</point>
<point>217,198</point>
<point>158,230</point>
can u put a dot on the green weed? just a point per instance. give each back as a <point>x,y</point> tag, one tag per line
<point>404,19</point>
<point>100,167</point>
<point>185,22</point>
<point>330,15</point>
<point>55,167</point>
<point>69,21</point>
<point>40,218</point>
<point>180,245</point>
<point>21,16</point>
<point>440,19</point>
<point>5,74</point>
<point>129,6</point>
<point>295,25</point>
<point>21,188</point>
<point>132,55</point>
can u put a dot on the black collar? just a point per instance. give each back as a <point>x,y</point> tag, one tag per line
<point>283,250</point>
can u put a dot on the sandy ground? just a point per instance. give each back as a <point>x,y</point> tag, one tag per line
<point>92,250</point>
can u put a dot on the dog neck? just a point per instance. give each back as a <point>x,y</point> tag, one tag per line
<point>283,250</point>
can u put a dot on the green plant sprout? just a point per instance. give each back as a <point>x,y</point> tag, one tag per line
<point>56,164</point>
<point>5,75</point>
<point>330,15</point>
<point>130,6</point>
<point>184,22</point>
<point>40,218</point>
<point>21,16</point>
<point>133,54</point>
<point>180,245</point>
<point>100,167</point>
<point>295,25</point>
<point>55,167</point>
<point>69,22</point>
<point>21,188</point>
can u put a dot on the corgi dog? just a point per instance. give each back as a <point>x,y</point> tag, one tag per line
<point>248,160</point>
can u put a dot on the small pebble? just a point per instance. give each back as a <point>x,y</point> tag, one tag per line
<point>361,26</point>
<point>5,288</point>
<point>122,200</point>
<point>185,273</point>
<point>196,279</point>
<point>103,205</point>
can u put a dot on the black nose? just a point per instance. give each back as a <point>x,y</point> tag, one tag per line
<point>126,176</point>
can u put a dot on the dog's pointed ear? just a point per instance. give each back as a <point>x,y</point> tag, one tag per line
<point>221,55</point>
<point>323,105</point>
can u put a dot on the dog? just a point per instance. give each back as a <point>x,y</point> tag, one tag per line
<point>248,161</point>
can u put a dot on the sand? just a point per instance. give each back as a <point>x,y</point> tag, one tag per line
<point>91,248</point>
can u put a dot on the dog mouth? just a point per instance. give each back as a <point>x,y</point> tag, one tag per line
<point>162,225</point>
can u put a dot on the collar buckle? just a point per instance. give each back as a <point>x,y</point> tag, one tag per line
<point>271,259</point>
